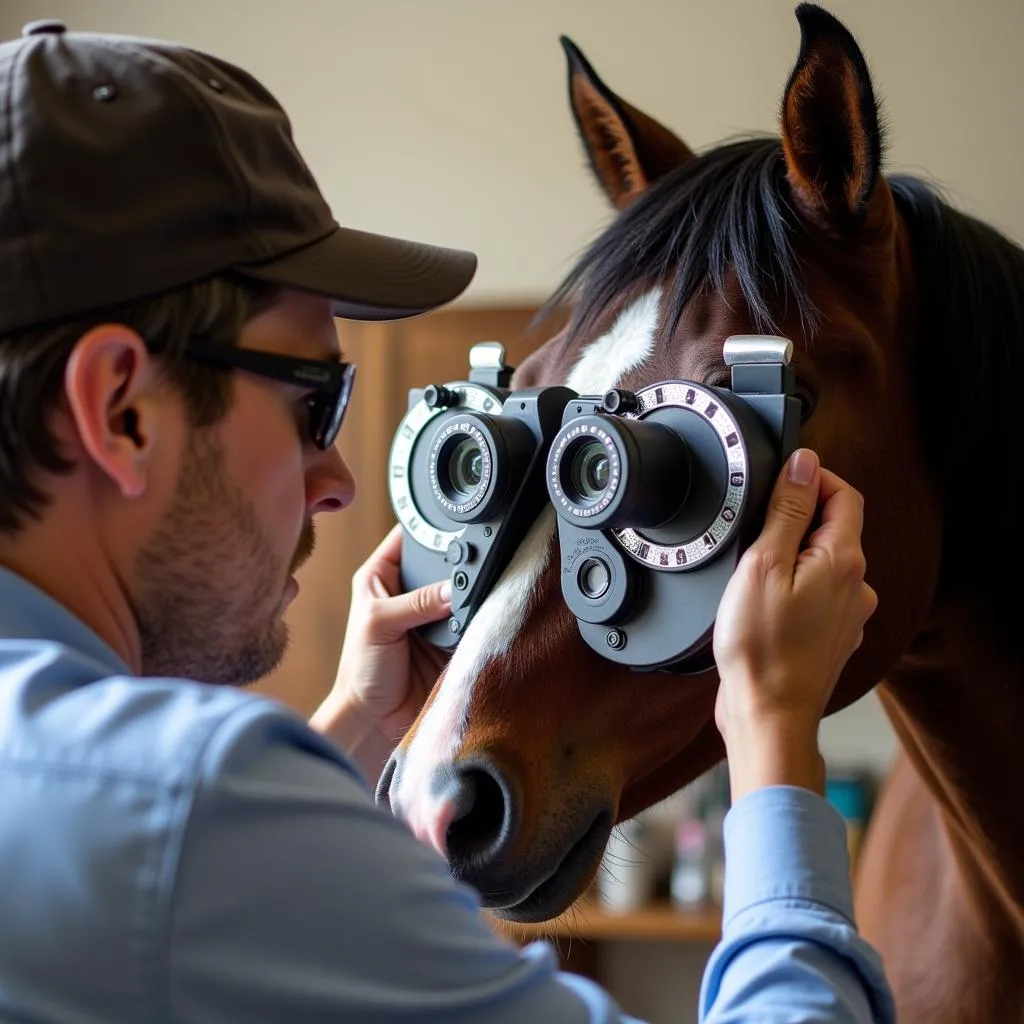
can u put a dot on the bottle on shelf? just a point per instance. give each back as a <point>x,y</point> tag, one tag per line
<point>690,884</point>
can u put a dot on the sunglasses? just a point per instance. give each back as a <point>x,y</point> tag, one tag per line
<point>330,383</point>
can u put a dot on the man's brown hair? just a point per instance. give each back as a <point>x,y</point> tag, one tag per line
<point>32,365</point>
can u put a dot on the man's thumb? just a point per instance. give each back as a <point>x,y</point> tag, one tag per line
<point>792,505</point>
<point>397,615</point>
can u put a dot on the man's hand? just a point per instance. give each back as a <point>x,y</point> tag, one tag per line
<point>791,616</point>
<point>385,672</point>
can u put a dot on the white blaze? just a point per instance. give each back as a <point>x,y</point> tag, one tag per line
<point>490,634</point>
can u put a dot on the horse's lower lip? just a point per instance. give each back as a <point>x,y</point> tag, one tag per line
<point>564,884</point>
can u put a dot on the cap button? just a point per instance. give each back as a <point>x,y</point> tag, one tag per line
<point>44,27</point>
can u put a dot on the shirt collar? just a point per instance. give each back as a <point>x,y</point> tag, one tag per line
<point>28,613</point>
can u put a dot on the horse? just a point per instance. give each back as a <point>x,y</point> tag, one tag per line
<point>907,320</point>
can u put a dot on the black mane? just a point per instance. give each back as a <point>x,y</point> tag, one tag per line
<point>728,210</point>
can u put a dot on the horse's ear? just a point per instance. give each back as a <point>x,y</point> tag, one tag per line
<point>830,125</point>
<point>627,149</point>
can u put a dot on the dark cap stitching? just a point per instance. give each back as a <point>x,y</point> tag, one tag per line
<point>30,256</point>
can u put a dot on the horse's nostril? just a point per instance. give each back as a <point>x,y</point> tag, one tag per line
<point>484,825</point>
<point>479,816</point>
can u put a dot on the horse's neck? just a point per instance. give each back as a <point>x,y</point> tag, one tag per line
<point>957,702</point>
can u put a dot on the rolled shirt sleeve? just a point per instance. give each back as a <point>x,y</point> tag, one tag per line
<point>790,950</point>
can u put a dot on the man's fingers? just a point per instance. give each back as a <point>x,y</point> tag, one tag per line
<point>842,519</point>
<point>791,508</point>
<point>868,604</point>
<point>383,562</point>
<point>869,600</point>
<point>390,548</point>
<point>393,617</point>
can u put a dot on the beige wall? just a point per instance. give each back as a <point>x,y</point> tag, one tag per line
<point>447,119</point>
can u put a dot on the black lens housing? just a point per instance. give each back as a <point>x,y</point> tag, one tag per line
<point>648,473</point>
<point>497,448</point>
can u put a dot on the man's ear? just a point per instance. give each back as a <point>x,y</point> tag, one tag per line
<point>110,384</point>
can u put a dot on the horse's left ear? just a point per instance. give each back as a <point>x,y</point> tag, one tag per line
<point>830,125</point>
<point>628,150</point>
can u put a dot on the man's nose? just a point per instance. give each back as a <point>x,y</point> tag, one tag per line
<point>330,486</point>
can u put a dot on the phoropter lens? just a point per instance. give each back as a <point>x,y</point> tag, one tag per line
<point>460,468</point>
<point>590,471</point>
<point>605,472</point>
<point>474,460</point>
<point>466,466</point>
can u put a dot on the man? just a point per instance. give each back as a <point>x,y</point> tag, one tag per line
<point>170,393</point>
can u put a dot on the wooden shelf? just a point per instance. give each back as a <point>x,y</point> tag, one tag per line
<point>659,921</point>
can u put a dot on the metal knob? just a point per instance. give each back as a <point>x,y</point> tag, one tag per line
<point>437,396</point>
<point>757,348</point>
<point>619,402</point>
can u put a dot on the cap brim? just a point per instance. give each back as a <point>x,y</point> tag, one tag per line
<point>371,277</point>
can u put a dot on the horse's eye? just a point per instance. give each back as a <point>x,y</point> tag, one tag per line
<point>807,402</point>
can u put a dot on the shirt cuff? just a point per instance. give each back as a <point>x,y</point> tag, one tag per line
<point>785,843</point>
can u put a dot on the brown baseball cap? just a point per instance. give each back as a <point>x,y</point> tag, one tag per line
<point>130,167</point>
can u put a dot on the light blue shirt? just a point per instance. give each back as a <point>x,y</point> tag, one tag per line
<point>171,851</point>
